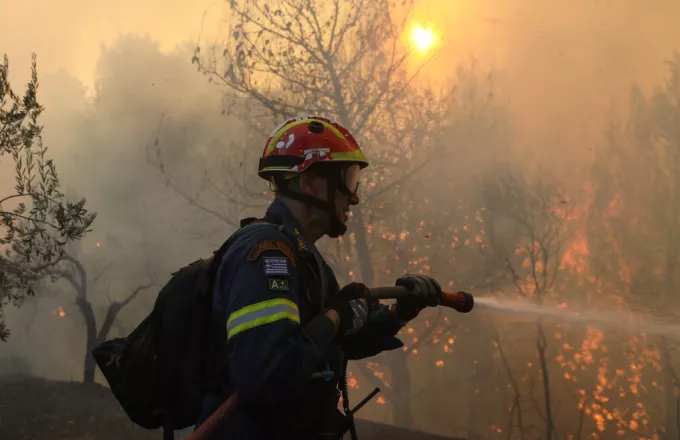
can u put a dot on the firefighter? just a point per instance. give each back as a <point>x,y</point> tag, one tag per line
<point>290,328</point>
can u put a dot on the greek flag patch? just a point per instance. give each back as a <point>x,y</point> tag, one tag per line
<point>276,266</point>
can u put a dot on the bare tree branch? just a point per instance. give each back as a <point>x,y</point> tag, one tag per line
<point>516,409</point>
<point>99,275</point>
<point>134,294</point>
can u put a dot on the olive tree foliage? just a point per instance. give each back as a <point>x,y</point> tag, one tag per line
<point>36,218</point>
<point>342,59</point>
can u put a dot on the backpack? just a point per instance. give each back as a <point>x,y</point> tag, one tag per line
<point>161,371</point>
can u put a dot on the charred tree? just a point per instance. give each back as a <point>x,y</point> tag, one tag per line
<point>525,224</point>
<point>74,272</point>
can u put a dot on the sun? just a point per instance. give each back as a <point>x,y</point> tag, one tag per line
<point>422,37</point>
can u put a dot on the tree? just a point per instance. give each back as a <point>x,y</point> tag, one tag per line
<point>342,59</point>
<point>74,271</point>
<point>37,220</point>
<point>524,225</point>
<point>637,202</point>
<point>135,84</point>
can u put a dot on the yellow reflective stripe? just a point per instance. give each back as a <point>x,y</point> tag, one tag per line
<point>261,313</point>
<point>355,155</point>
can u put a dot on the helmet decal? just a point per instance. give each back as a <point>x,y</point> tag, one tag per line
<point>281,144</point>
<point>300,142</point>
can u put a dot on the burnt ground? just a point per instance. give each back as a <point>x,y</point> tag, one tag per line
<point>38,409</point>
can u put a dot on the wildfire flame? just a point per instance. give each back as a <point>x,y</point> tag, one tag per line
<point>61,312</point>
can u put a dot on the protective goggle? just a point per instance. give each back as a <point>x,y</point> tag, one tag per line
<point>349,180</point>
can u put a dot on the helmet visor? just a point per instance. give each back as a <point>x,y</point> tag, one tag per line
<point>350,179</point>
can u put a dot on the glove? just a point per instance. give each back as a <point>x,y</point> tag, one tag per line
<point>425,292</point>
<point>352,307</point>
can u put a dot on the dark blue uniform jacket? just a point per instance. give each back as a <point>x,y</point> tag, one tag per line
<point>267,295</point>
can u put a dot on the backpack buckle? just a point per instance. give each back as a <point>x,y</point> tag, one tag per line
<point>326,375</point>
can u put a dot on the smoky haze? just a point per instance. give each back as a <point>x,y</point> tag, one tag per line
<point>538,87</point>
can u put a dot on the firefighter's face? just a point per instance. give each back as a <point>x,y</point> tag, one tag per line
<point>345,193</point>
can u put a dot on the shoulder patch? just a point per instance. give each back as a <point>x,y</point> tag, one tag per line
<point>276,266</point>
<point>271,245</point>
<point>279,285</point>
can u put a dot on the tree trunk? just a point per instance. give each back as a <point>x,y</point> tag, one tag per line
<point>89,364</point>
<point>541,346</point>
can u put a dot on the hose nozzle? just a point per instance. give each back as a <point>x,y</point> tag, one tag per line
<point>462,302</point>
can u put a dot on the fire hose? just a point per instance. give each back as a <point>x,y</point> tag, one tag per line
<point>460,301</point>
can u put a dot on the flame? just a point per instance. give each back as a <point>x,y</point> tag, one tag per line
<point>352,381</point>
<point>99,244</point>
<point>574,257</point>
<point>61,312</point>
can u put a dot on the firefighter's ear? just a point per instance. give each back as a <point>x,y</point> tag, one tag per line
<point>313,184</point>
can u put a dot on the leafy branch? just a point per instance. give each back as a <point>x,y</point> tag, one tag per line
<point>37,220</point>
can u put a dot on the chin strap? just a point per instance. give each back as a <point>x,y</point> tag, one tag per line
<point>337,228</point>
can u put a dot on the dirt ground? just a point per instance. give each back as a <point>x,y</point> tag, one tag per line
<point>38,409</point>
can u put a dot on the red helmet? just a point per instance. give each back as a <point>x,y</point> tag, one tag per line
<point>301,142</point>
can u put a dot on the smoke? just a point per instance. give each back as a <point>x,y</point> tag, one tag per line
<point>69,35</point>
<point>566,66</point>
<point>106,147</point>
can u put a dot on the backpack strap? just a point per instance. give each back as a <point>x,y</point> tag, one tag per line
<point>323,277</point>
<point>218,255</point>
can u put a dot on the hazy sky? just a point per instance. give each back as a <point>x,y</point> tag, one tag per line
<point>67,34</point>
<point>623,34</point>
<point>567,65</point>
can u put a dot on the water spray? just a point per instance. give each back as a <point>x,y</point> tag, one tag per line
<point>635,324</point>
